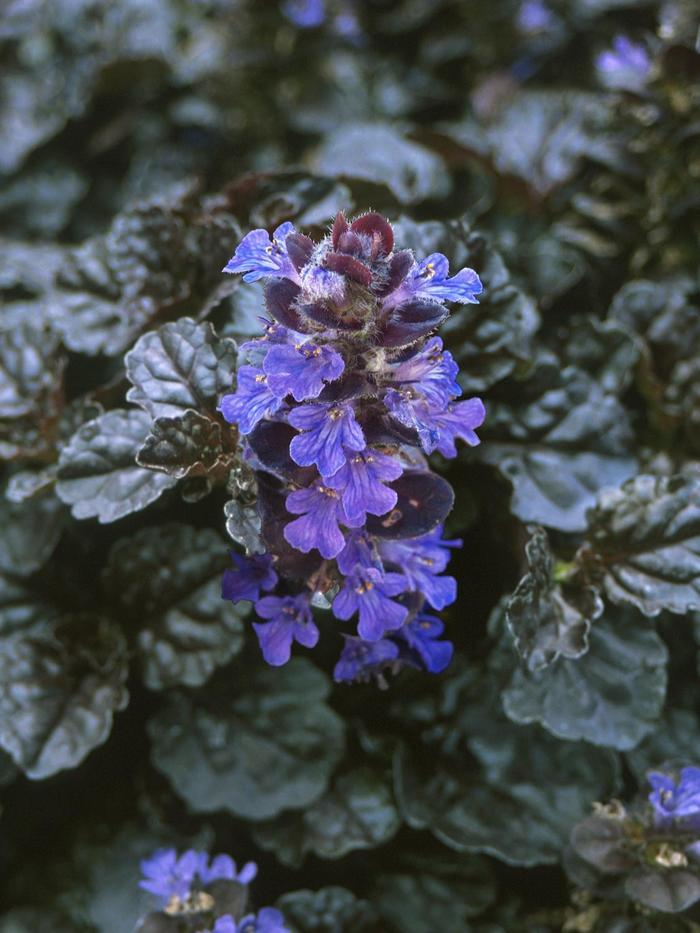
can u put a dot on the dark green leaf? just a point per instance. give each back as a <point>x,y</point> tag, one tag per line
<point>613,696</point>
<point>560,442</point>
<point>167,581</point>
<point>187,445</point>
<point>602,842</point>
<point>30,919</point>
<point>30,532</point>
<point>439,893</point>
<point>644,543</point>
<point>59,689</point>
<point>677,733</point>
<point>410,171</point>
<point>271,747</point>
<point>358,812</point>
<point>605,350</point>
<point>30,369</point>
<point>329,910</point>
<point>670,891</point>
<point>548,620</point>
<point>179,366</point>
<point>97,471</point>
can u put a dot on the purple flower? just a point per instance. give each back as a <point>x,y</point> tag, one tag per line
<point>166,875</point>
<point>366,590</point>
<point>360,660</point>
<point>421,636</point>
<point>326,431</point>
<point>225,924</point>
<point>361,481</point>
<point>359,549</point>
<point>676,803</point>
<point>291,620</point>
<point>627,66</point>
<point>259,257</point>
<point>302,369</point>
<point>534,16</point>
<point>437,428</point>
<point>224,868</point>
<point>252,400</point>
<point>251,575</point>
<point>306,14</point>
<point>267,920</point>
<point>421,560</point>
<point>322,511</point>
<point>432,372</point>
<point>430,279</point>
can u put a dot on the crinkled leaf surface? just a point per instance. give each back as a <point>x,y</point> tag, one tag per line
<point>30,368</point>
<point>165,582</point>
<point>668,891</point>
<point>644,543</point>
<point>97,471</point>
<point>328,910</point>
<point>612,696</point>
<point>179,366</point>
<point>558,444</point>
<point>358,812</point>
<point>546,619</point>
<point>271,746</point>
<point>60,688</point>
<point>186,445</point>
<point>30,532</point>
<point>435,894</point>
<point>671,743</point>
<point>412,172</point>
<point>481,784</point>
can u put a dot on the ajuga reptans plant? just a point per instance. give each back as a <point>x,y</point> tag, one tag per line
<point>339,402</point>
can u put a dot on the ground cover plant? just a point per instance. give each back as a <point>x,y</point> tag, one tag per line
<point>350,490</point>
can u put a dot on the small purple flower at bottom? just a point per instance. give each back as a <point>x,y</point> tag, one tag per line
<point>267,920</point>
<point>367,591</point>
<point>437,428</point>
<point>166,875</point>
<point>360,660</point>
<point>290,620</point>
<point>306,14</point>
<point>322,511</point>
<point>225,924</point>
<point>302,369</point>
<point>251,402</point>
<point>421,637</point>
<point>361,482</point>
<point>676,803</point>
<point>259,257</point>
<point>326,431</point>
<point>224,868</point>
<point>251,575</point>
<point>627,66</point>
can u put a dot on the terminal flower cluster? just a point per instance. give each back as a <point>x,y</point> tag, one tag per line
<point>340,401</point>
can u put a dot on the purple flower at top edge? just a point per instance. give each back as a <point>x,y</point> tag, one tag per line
<point>360,660</point>
<point>250,576</point>
<point>534,16</point>
<point>306,14</point>
<point>166,875</point>
<point>421,636</point>
<point>431,279</point>
<point>290,620</point>
<point>259,257</point>
<point>267,920</point>
<point>627,66</point>
<point>361,481</point>
<point>437,428</point>
<point>321,511</point>
<point>302,369</point>
<point>421,560</point>
<point>223,867</point>
<point>251,402</point>
<point>432,372</point>
<point>367,591</point>
<point>326,431</point>
<point>678,802</point>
